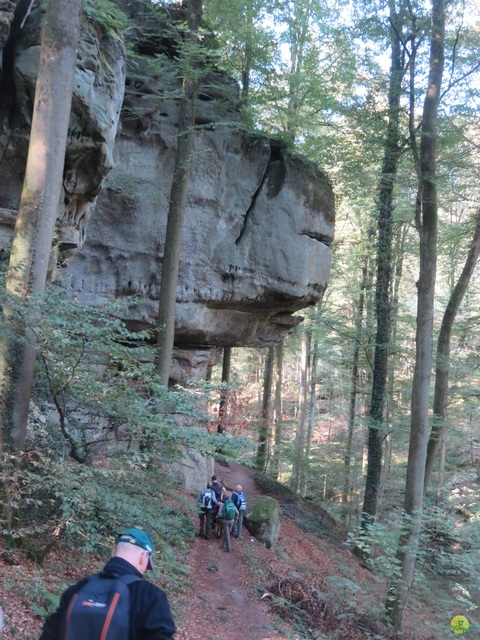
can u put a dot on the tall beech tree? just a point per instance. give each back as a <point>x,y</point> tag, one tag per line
<point>266,411</point>
<point>222,407</point>
<point>178,193</point>
<point>427,226</point>
<point>296,480</point>
<point>248,45</point>
<point>39,204</point>
<point>384,263</point>
<point>442,366</point>
<point>347,459</point>
<point>311,418</point>
<point>277,413</point>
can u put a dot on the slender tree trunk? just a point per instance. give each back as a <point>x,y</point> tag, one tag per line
<point>408,545</point>
<point>39,203</point>
<point>311,420</point>
<point>246,71</point>
<point>347,460</point>
<point>441,470</point>
<point>388,443</point>
<point>177,202</point>
<point>399,255</point>
<point>278,412</point>
<point>222,409</point>
<point>438,432</point>
<point>298,33</point>
<point>369,329</point>
<point>299,453</point>
<point>384,275</point>
<point>264,430</point>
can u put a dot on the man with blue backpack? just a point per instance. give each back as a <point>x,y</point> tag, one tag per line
<point>205,501</point>
<point>240,502</point>
<point>117,603</point>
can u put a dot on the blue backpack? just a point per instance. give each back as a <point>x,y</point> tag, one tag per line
<point>100,610</point>
<point>239,500</point>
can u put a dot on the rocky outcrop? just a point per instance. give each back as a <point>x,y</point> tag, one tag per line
<point>259,219</point>
<point>190,471</point>
<point>98,97</point>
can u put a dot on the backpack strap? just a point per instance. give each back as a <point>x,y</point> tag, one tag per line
<point>125,579</point>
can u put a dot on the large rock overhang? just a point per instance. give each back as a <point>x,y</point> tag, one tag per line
<point>259,219</point>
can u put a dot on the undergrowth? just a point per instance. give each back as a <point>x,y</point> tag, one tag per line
<point>94,504</point>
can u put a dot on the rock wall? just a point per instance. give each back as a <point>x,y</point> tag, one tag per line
<point>98,96</point>
<point>259,219</point>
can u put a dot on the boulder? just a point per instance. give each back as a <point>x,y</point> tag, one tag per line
<point>263,519</point>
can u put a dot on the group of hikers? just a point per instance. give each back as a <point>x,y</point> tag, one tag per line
<point>217,502</point>
<point>117,603</point>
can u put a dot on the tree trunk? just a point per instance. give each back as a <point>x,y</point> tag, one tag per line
<point>399,252</point>
<point>298,36</point>
<point>299,453</point>
<point>419,428</point>
<point>177,202</point>
<point>39,203</point>
<point>311,421</point>
<point>438,432</point>
<point>275,468</point>
<point>384,275</point>
<point>264,429</point>
<point>347,460</point>
<point>227,357</point>
<point>246,71</point>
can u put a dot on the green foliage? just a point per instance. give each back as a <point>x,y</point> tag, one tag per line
<point>101,405</point>
<point>100,379</point>
<point>107,15</point>
<point>86,506</point>
<point>42,602</point>
<point>446,551</point>
<point>378,544</point>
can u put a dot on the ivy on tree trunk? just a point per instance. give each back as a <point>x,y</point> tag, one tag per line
<point>419,427</point>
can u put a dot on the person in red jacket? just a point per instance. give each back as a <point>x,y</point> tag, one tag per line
<point>150,616</point>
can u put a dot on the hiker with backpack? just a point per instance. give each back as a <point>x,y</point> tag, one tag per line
<point>218,487</point>
<point>240,502</point>
<point>117,603</point>
<point>206,501</point>
<point>228,512</point>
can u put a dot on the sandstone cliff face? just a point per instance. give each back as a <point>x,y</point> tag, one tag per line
<point>259,220</point>
<point>98,96</point>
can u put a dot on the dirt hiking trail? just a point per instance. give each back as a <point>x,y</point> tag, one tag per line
<point>222,604</point>
<point>237,596</point>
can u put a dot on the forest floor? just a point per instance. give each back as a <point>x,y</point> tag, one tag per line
<point>309,587</point>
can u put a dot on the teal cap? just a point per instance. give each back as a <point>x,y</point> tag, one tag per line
<point>139,538</point>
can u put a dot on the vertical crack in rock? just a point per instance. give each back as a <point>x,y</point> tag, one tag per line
<point>275,172</point>
<point>253,201</point>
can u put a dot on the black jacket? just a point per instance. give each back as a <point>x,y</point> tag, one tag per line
<point>150,616</point>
